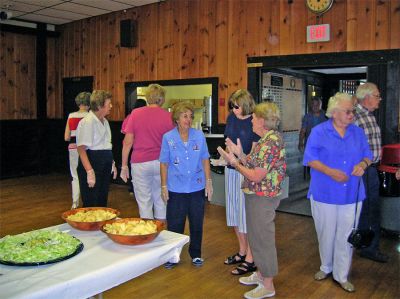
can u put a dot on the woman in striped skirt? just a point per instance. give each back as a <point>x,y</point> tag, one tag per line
<point>239,127</point>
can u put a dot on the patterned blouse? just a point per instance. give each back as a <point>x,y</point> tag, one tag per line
<point>269,153</point>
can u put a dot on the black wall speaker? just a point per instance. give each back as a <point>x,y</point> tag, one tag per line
<point>128,33</point>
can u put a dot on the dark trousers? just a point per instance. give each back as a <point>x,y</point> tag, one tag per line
<point>101,161</point>
<point>181,205</point>
<point>370,212</point>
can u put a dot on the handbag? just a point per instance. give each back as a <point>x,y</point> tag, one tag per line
<point>360,238</point>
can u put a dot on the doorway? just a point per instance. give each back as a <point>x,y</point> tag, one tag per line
<point>194,90</point>
<point>71,88</point>
<point>323,75</point>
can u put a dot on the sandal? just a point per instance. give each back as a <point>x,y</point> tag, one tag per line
<point>244,268</point>
<point>234,259</point>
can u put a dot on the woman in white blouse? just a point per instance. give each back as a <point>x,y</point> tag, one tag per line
<point>95,151</point>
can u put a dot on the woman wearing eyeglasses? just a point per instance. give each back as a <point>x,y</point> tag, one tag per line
<point>338,153</point>
<point>238,126</point>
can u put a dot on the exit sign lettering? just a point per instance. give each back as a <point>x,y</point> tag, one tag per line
<point>318,33</point>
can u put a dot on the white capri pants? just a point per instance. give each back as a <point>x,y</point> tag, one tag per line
<point>234,197</point>
<point>73,166</point>
<point>334,224</point>
<point>147,187</point>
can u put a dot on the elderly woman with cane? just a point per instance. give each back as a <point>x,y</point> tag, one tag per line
<point>338,153</point>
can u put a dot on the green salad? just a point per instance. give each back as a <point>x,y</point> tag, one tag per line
<point>39,246</point>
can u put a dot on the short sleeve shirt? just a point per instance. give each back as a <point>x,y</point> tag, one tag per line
<point>93,133</point>
<point>148,125</point>
<point>269,153</point>
<point>185,160</point>
<point>342,153</point>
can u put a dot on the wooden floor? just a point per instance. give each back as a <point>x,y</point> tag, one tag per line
<point>37,202</point>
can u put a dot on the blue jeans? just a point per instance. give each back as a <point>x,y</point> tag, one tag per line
<point>370,212</point>
<point>181,205</point>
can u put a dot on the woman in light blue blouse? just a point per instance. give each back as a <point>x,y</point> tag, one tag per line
<point>338,153</point>
<point>185,178</point>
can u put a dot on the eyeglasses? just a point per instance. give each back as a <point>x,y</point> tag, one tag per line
<point>348,111</point>
<point>378,96</point>
<point>233,106</point>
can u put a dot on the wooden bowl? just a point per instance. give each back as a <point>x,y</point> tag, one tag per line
<point>96,225</point>
<point>134,239</point>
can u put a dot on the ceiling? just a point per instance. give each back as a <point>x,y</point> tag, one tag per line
<point>57,12</point>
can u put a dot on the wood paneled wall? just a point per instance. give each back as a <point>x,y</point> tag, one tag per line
<point>208,38</point>
<point>17,76</point>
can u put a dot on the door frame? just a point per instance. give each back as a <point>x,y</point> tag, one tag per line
<point>383,69</point>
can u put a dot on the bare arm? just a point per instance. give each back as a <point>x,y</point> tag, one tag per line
<point>163,173</point>
<point>67,133</point>
<point>359,168</point>
<point>126,147</point>
<point>255,175</point>
<point>206,166</point>
<point>84,158</point>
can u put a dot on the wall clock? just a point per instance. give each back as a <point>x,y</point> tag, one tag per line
<point>319,6</point>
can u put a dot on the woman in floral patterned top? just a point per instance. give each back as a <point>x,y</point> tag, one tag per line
<point>264,170</point>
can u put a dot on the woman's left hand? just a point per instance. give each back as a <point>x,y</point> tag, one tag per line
<point>358,169</point>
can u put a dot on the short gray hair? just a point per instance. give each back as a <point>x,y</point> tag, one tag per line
<point>335,101</point>
<point>155,94</point>
<point>98,98</point>
<point>364,90</point>
<point>83,98</point>
<point>270,113</point>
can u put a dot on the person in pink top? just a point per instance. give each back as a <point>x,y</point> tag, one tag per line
<point>143,131</point>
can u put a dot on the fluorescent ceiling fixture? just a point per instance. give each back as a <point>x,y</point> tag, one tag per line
<point>342,70</point>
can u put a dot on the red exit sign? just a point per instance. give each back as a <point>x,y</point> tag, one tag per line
<point>318,33</point>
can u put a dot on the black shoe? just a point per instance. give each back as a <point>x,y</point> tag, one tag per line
<point>376,256</point>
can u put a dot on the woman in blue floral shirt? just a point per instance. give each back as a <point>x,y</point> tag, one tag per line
<point>264,170</point>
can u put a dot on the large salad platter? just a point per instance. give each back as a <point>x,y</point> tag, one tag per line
<point>38,247</point>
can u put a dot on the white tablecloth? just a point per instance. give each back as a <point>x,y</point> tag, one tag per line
<point>101,265</point>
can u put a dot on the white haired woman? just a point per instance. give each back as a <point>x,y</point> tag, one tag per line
<point>338,153</point>
<point>264,170</point>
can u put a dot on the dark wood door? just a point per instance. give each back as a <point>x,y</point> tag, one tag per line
<point>71,87</point>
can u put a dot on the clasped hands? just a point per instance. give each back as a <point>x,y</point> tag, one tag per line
<point>235,151</point>
<point>340,176</point>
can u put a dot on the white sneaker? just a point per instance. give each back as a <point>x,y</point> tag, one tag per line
<point>259,293</point>
<point>250,280</point>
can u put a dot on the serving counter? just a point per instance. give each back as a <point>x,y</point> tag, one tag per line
<point>101,265</point>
